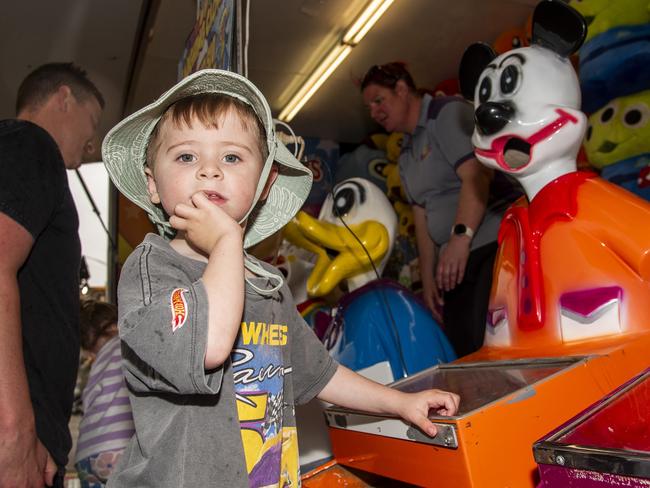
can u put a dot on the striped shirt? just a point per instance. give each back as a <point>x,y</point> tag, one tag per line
<point>107,424</point>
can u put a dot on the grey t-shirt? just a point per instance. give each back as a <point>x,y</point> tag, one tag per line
<point>428,162</point>
<point>188,431</point>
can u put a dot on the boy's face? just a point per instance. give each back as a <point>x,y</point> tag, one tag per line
<point>223,163</point>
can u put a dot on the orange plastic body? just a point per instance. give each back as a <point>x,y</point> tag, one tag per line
<point>579,236</point>
<point>495,443</point>
<point>583,237</point>
<point>332,475</point>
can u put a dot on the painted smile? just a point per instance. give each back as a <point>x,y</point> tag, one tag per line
<point>511,152</point>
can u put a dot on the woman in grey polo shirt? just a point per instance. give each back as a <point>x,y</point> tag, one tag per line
<point>455,199</point>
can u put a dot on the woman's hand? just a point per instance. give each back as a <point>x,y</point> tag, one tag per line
<point>452,262</point>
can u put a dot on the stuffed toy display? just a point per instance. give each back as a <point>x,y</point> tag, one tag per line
<point>510,39</point>
<point>364,162</point>
<point>604,15</point>
<point>403,264</point>
<point>322,158</point>
<point>573,266</point>
<point>618,142</point>
<point>446,88</point>
<point>615,60</point>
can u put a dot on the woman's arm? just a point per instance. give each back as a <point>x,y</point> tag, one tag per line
<point>474,192</point>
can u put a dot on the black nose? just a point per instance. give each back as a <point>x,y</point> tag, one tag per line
<point>491,117</point>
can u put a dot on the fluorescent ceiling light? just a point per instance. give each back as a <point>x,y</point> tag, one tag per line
<point>365,21</point>
<point>359,28</point>
<point>313,83</point>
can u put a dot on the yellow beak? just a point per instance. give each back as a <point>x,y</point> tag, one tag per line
<point>352,254</point>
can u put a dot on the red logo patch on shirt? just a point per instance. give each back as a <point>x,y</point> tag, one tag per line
<point>179,309</point>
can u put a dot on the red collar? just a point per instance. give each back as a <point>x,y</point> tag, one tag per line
<point>556,202</point>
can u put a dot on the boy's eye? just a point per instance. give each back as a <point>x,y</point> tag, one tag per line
<point>231,158</point>
<point>186,158</point>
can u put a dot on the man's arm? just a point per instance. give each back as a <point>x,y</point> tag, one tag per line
<point>474,192</point>
<point>23,459</point>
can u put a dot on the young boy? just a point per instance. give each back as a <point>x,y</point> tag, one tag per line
<point>215,353</point>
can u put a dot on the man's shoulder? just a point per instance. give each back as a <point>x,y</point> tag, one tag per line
<point>32,145</point>
<point>22,128</point>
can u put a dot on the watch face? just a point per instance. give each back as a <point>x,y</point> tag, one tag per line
<point>460,229</point>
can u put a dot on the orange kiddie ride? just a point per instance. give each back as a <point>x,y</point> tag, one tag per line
<point>568,319</point>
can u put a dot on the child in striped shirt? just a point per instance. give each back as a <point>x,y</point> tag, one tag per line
<point>107,423</point>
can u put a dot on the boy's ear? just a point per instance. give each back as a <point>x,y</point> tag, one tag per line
<point>273,174</point>
<point>151,186</point>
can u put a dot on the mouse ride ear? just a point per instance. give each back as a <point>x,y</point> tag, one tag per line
<point>475,58</point>
<point>558,27</point>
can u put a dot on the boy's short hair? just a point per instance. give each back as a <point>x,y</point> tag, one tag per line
<point>48,78</point>
<point>95,319</point>
<point>209,109</point>
<point>124,151</point>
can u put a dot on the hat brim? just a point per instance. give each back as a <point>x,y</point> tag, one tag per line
<point>124,153</point>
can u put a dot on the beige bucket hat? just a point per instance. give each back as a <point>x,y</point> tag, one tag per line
<point>125,146</point>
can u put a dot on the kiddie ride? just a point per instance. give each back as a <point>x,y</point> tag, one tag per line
<point>568,319</point>
<point>377,323</point>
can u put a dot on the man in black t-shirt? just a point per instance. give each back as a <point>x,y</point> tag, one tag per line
<point>58,110</point>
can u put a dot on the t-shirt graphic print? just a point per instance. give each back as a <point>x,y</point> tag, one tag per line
<point>271,450</point>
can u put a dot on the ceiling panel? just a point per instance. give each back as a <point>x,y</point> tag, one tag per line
<point>287,37</point>
<point>98,35</point>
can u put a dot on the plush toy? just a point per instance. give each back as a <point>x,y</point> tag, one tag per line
<point>510,39</point>
<point>322,158</point>
<point>403,263</point>
<point>364,162</point>
<point>394,189</point>
<point>603,15</point>
<point>573,266</point>
<point>618,142</point>
<point>446,88</point>
<point>619,130</point>
<point>615,61</point>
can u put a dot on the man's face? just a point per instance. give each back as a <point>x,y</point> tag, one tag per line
<point>79,130</point>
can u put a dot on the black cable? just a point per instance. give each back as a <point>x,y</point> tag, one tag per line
<point>382,293</point>
<point>96,210</point>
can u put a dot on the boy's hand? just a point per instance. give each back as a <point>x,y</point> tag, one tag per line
<point>414,407</point>
<point>204,223</point>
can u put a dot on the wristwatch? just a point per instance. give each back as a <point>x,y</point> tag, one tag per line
<point>462,230</point>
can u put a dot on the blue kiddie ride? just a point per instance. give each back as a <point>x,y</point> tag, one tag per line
<point>377,321</point>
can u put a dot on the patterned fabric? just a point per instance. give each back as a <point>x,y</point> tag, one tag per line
<point>94,471</point>
<point>107,424</point>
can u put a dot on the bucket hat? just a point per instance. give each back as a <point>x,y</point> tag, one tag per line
<point>125,146</point>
